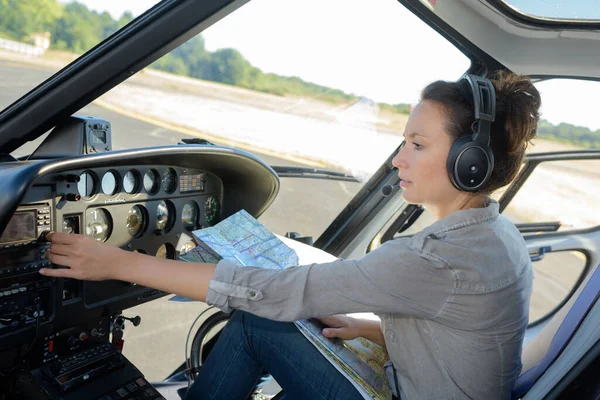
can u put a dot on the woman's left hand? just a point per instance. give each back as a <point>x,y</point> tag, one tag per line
<point>86,258</point>
<point>341,326</point>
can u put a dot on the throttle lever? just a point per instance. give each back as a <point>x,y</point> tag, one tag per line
<point>135,320</point>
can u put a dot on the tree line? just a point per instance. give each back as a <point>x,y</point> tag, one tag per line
<point>75,28</point>
<point>569,134</point>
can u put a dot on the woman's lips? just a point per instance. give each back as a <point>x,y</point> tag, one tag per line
<point>404,184</point>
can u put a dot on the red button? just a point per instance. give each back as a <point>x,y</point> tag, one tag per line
<point>50,346</point>
<point>141,382</point>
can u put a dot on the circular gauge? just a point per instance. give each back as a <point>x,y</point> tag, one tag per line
<point>189,215</point>
<point>169,180</point>
<point>98,224</point>
<point>109,183</point>
<point>165,215</point>
<point>71,224</point>
<point>136,221</point>
<point>212,209</point>
<point>86,185</point>
<point>166,251</point>
<point>130,182</point>
<point>151,180</point>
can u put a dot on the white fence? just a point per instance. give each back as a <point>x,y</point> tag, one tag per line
<point>21,48</point>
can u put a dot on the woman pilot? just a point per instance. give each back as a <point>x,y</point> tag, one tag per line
<point>453,299</point>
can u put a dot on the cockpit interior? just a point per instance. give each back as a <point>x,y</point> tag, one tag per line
<point>68,331</point>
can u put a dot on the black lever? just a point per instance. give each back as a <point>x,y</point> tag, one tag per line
<point>135,320</point>
<point>72,197</point>
<point>72,178</point>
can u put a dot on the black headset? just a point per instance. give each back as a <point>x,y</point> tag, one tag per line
<point>471,161</point>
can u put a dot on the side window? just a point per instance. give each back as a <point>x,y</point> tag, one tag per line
<point>558,195</point>
<point>557,276</point>
<point>562,195</point>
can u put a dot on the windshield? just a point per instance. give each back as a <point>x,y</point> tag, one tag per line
<point>294,86</point>
<point>335,96</point>
<point>39,37</point>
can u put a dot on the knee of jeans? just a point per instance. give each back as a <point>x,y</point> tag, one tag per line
<point>245,318</point>
<point>241,320</point>
<point>249,323</point>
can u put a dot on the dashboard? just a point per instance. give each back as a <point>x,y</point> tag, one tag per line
<point>146,200</point>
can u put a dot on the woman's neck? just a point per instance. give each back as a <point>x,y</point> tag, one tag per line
<point>463,202</point>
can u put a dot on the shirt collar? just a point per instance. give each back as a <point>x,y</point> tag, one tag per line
<point>461,218</point>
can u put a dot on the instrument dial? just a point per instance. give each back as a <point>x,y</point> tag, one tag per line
<point>131,182</point>
<point>165,214</point>
<point>98,224</point>
<point>166,251</point>
<point>169,180</point>
<point>86,185</point>
<point>212,210</point>
<point>151,181</point>
<point>136,221</point>
<point>189,215</point>
<point>109,183</point>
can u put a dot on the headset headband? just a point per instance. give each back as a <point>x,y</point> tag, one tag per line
<point>484,107</point>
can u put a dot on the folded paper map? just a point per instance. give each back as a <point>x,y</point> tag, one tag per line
<point>246,241</point>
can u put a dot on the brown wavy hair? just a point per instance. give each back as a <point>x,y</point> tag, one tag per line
<point>517,115</point>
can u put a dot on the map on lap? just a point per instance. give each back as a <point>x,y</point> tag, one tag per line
<point>246,241</point>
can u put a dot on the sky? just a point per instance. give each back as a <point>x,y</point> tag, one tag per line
<point>371,48</point>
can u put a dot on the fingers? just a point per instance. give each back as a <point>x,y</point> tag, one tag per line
<point>61,237</point>
<point>65,250</point>
<point>58,273</point>
<point>331,332</point>
<point>60,249</point>
<point>325,320</point>
<point>58,259</point>
<point>332,320</point>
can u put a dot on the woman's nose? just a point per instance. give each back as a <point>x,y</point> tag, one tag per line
<point>399,161</point>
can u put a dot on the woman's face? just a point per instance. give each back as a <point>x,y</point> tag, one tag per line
<point>421,162</point>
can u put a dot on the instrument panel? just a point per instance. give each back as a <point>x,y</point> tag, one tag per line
<point>144,200</point>
<point>148,209</point>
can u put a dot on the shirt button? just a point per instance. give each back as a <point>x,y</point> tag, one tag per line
<point>252,293</point>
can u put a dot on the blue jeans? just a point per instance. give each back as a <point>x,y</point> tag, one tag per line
<point>247,344</point>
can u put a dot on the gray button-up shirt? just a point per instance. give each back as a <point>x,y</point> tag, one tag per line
<point>453,301</point>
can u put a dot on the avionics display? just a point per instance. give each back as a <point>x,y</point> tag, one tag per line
<point>19,256</point>
<point>192,183</point>
<point>21,227</point>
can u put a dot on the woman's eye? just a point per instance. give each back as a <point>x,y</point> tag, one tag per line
<point>417,146</point>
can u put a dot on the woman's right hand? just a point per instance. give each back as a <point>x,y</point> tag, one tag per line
<point>340,326</point>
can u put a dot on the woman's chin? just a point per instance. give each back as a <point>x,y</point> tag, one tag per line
<point>408,198</point>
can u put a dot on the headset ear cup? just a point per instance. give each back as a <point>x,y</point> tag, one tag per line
<point>469,165</point>
<point>455,150</point>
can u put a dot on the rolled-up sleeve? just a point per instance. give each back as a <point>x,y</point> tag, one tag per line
<point>392,278</point>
